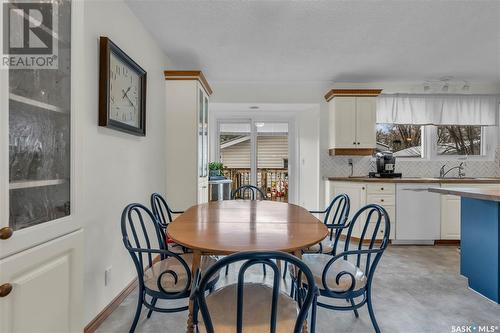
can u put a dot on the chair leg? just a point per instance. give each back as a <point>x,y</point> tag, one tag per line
<point>227,269</point>
<point>355,310</point>
<point>313,314</point>
<point>370,311</point>
<point>292,289</point>
<point>153,303</point>
<point>137,311</point>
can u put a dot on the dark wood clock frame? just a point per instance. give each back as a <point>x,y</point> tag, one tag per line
<point>106,48</point>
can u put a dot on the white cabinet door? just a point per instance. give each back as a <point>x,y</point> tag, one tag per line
<point>46,291</point>
<point>365,122</point>
<point>343,120</point>
<point>357,196</point>
<point>450,217</point>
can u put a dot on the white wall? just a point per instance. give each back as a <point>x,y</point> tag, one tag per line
<point>117,168</point>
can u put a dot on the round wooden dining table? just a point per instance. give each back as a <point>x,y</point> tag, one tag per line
<point>225,227</point>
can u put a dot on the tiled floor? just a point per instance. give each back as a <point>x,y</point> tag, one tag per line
<point>416,289</point>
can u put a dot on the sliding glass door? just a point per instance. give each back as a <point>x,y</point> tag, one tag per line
<point>256,153</point>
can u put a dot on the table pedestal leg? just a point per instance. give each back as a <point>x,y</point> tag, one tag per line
<point>194,267</point>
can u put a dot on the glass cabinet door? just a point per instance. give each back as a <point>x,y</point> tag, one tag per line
<point>201,141</point>
<point>39,134</point>
<point>205,136</point>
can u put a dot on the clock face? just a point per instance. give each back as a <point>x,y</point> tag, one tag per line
<point>124,93</point>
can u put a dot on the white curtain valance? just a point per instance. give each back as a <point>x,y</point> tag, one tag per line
<point>438,109</point>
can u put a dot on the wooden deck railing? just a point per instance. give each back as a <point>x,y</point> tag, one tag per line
<point>274,182</point>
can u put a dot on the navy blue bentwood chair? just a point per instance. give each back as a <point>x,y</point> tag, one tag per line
<point>162,274</point>
<point>241,193</point>
<point>349,275</point>
<point>336,220</point>
<point>250,192</point>
<point>163,213</point>
<point>254,307</point>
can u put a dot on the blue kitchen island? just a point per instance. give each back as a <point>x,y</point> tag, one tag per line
<point>479,238</point>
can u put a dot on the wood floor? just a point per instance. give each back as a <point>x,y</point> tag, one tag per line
<point>416,289</point>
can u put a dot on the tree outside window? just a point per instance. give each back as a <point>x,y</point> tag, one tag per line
<point>459,140</point>
<point>402,140</point>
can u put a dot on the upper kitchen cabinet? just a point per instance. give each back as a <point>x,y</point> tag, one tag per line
<point>352,121</point>
<point>187,134</point>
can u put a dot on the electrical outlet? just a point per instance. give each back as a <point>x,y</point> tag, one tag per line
<point>107,276</point>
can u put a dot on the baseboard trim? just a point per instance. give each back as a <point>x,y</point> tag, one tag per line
<point>108,310</point>
<point>447,242</point>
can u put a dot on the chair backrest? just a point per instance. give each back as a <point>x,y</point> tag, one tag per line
<point>136,224</point>
<point>250,259</point>
<point>253,191</point>
<point>374,227</point>
<point>337,215</point>
<point>161,210</point>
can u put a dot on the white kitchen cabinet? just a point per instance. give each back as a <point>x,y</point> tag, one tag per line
<point>187,134</point>
<point>352,121</point>
<point>450,210</point>
<point>362,194</point>
<point>47,291</point>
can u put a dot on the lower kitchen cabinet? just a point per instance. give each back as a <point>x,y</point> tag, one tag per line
<point>450,210</point>
<point>46,281</point>
<point>362,194</point>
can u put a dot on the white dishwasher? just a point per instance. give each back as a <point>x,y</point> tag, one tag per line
<point>418,214</point>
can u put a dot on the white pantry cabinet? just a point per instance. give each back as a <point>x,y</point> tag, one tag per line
<point>41,236</point>
<point>46,285</point>
<point>352,121</point>
<point>450,210</point>
<point>187,94</point>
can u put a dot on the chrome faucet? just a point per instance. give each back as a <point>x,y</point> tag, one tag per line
<point>460,167</point>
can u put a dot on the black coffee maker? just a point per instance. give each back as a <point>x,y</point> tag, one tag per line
<point>386,163</point>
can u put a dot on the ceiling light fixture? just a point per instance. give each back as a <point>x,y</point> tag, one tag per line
<point>259,124</point>
<point>466,86</point>
<point>427,87</point>
<point>445,87</point>
<point>254,107</point>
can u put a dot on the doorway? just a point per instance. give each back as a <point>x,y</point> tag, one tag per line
<point>256,152</point>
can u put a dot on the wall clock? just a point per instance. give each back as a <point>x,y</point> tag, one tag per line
<point>122,90</point>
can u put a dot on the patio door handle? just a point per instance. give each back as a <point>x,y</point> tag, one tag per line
<point>6,232</point>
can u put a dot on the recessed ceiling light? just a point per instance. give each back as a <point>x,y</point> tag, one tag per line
<point>254,107</point>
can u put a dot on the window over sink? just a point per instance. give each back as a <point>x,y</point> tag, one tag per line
<point>459,140</point>
<point>402,140</point>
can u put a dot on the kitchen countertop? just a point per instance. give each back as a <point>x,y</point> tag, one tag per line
<point>474,193</point>
<point>406,180</point>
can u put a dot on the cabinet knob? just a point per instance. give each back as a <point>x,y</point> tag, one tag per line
<point>362,188</point>
<point>5,289</point>
<point>382,200</point>
<point>6,232</point>
<point>382,189</point>
<point>354,143</point>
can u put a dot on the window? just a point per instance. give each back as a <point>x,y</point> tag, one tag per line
<point>402,140</point>
<point>459,140</point>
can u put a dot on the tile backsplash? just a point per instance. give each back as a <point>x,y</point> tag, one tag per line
<point>337,166</point>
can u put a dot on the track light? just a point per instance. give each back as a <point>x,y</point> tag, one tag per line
<point>445,87</point>
<point>466,87</point>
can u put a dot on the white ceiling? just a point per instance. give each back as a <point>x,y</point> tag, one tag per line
<point>339,41</point>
